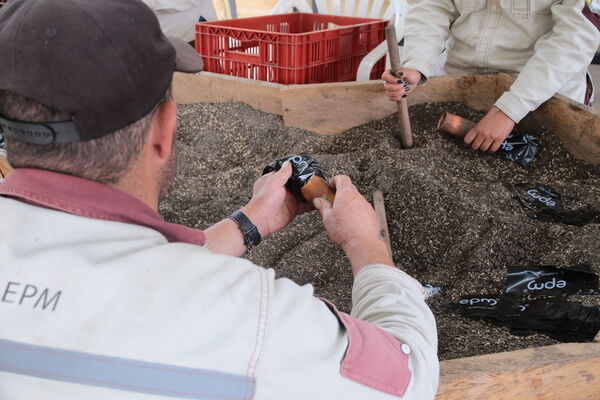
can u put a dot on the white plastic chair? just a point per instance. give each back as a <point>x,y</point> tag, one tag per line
<point>179,17</point>
<point>388,9</point>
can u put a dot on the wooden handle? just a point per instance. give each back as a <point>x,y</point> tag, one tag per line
<point>317,187</point>
<point>403,118</point>
<point>5,168</point>
<point>379,206</point>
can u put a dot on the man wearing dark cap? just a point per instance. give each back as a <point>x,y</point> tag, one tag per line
<point>102,299</point>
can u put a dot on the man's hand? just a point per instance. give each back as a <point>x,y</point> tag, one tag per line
<point>352,224</point>
<point>272,207</point>
<point>396,88</point>
<point>490,132</point>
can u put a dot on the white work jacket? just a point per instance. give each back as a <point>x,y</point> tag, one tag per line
<point>549,43</point>
<point>93,307</point>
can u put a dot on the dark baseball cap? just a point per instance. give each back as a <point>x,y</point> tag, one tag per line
<point>106,62</point>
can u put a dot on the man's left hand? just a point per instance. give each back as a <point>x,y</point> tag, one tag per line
<point>490,132</point>
<point>272,206</point>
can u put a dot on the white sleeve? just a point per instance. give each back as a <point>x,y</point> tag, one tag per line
<point>559,55</point>
<point>394,301</point>
<point>427,29</point>
<point>306,343</point>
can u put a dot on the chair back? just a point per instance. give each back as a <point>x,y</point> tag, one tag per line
<point>386,9</point>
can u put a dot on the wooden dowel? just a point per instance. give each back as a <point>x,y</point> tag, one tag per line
<point>403,118</point>
<point>5,168</point>
<point>379,206</point>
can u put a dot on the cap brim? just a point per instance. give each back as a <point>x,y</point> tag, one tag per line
<point>186,59</point>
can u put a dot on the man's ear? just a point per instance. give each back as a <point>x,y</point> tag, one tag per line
<point>162,131</point>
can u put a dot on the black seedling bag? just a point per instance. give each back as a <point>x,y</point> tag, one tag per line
<point>303,168</point>
<point>548,280</point>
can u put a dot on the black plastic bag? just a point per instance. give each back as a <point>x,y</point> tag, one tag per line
<point>303,168</point>
<point>548,280</point>
<point>1,141</point>
<point>555,316</point>
<point>521,148</point>
<point>546,203</point>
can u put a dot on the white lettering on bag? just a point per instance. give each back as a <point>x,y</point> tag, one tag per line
<point>523,307</point>
<point>546,200</point>
<point>300,163</point>
<point>551,284</point>
<point>491,302</point>
<point>506,146</point>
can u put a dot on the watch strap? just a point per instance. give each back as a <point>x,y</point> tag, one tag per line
<point>251,235</point>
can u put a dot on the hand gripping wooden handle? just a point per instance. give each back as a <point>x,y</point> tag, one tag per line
<point>403,118</point>
<point>317,187</point>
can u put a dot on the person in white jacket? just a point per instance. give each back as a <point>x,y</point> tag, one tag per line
<point>102,299</point>
<point>548,43</point>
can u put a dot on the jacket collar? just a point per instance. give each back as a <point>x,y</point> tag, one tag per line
<point>90,199</point>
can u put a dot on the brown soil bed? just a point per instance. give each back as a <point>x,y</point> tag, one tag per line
<point>453,219</point>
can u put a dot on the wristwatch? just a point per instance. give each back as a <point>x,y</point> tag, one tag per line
<point>249,230</point>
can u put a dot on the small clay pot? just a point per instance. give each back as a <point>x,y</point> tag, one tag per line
<point>317,187</point>
<point>455,125</point>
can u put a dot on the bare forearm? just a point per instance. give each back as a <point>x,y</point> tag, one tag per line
<point>367,252</point>
<point>225,237</point>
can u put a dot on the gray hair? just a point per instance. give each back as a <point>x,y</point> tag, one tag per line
<point>105,160</point>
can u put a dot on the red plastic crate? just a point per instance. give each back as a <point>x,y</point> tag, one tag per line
<point>290,48</point>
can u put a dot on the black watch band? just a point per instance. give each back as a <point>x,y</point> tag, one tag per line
<point>249,230</point>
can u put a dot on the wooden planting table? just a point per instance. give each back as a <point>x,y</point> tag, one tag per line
<point>568,371</point>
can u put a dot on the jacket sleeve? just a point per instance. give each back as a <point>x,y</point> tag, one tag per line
<point>307,344</point>
<point>392,300</point>
<point>559,55</point>
<point>427,29</point>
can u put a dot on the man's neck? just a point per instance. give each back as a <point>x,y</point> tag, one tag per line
<point>140,186</point>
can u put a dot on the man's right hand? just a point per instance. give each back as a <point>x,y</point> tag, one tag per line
<point>399,86</point>
<point>352,224</point>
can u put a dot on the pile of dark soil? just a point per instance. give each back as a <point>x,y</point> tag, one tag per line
<point>453,218</point>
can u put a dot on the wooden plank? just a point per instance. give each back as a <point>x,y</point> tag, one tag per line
<point>568,371</point>
<point>476,91</point>
<point>384,233</point>
<point>576,125</point>
<point>332,108</point>
<point>217,88</point>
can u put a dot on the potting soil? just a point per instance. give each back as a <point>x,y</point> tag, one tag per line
<point>455,221</point>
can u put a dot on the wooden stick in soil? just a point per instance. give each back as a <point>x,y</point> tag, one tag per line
<point>403,118</point>
<point>379,206</point>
